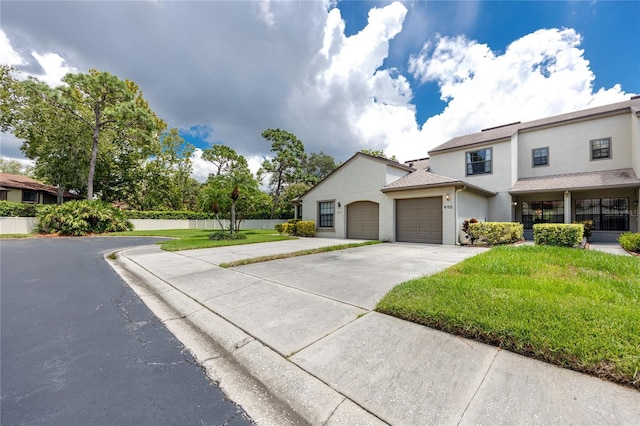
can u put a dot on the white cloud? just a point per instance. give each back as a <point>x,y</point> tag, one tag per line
<point>54,67</point>
<point>201,168</point>
<point>349,99</point>
<point>229,70</point>
<point>541,74</point>
<point>8,56</point>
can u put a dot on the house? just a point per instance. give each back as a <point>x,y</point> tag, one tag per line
<point>571,167</point>
<point>21,189</point>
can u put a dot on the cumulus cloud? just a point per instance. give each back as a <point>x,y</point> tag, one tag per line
<point>8,56</point>
<point>349,99</point>
<point>541,74</point>
<point>227,71</point>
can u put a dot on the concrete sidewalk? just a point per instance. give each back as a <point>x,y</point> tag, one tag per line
<point>301,335</point>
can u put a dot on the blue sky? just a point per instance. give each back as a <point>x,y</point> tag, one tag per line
<point>609,29</point>
<point>398,76</point>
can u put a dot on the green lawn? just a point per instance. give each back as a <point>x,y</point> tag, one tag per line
<point>579,309</point>
<point>187,239</point>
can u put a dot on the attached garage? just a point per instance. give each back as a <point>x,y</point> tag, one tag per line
<point>363,220</point>
<point>419,220</point>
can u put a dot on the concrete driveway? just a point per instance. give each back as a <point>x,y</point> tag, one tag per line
<point>290,303</point>
<point>303,328</point>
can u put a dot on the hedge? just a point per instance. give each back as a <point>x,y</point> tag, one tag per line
<point>298,228</point>
<point>184,215</point>
<point>558,234</point>
<point>496,233</point>
<point>81,218</point>
<point>630,241</point>
<point>11,209</point>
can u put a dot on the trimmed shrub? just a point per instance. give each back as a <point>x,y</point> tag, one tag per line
<point>184,215</point>
<point>289,228</point>
<point>299,228</point>
<point>11,209</point>
<point>280,228</point>
<point>305,228</point>
<point>495,233</point>
<point>222,235</point>
<point>558,234</point>
<point>630,241</point>
<point>81,218</point>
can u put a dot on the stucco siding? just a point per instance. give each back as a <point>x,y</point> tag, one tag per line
<point>453,164</point>
<point>635,143</point>
<point>14,195</point>
<point>470,205</point>
<point>360,180</point>
<point>570,147</point>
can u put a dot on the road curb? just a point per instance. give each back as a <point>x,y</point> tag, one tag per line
<point>272,389</point>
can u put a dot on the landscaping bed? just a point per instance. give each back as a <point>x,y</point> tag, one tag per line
<point>579,309</point>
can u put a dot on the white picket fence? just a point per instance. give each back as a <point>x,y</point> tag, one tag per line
<point>25,225</point>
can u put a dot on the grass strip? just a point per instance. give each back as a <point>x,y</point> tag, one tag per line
<point>242,262</point>
<point>579,309</point>
<point>190,239</point>
<point>11,236</point>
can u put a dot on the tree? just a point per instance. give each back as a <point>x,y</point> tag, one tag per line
<point>291,192</point>
<point>379,153</point>
<point>13,167</point>
<point>317,166</point>
<point>167,182</point>
<point>285,167</point>
<point>232,182</point>
<point>11,96</point>
<point>113,110</point>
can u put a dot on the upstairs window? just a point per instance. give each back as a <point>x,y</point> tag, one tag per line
<point>325,214</point>
<point>600,148</point>
<point>479,162</point>
<point>540,156</point>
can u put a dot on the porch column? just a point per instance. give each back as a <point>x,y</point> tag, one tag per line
<point>567,207</point>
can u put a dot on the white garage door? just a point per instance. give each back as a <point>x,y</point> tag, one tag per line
<point>419,220</point>
<point>362,220</point>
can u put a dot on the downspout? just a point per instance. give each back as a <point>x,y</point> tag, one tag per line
<point>455,213</point>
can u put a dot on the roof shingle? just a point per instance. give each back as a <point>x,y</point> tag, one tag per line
<point>586,180</point>
<point>504,132</point>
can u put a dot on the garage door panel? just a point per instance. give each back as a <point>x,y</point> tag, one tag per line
<point>419,220</point>
<point>363,220</point>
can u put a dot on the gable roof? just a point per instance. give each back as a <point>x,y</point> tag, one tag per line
<point>587,180</point>
<point>9,181</point>
<point>353,157</point>
<point>505,132</point>
<point>421,179</point>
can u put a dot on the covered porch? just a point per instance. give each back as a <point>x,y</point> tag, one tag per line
<point>608,198</point>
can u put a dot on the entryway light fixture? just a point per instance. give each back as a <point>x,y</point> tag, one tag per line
<point>447,197</point>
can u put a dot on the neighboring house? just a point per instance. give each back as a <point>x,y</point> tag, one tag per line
<point>21,189</point>
<point>571,167</point>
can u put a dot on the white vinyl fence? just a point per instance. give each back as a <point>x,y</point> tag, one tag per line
<point>17,225</point>
<point>25,225</point>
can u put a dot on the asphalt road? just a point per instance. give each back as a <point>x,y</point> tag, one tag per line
<point>77,346</point>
